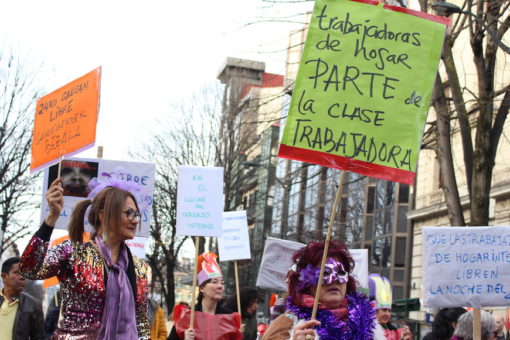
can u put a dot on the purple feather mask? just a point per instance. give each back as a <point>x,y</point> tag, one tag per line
<point>333,272</point>
<point>117,180</point>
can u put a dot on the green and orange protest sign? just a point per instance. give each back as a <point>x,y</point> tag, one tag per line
<point>363,88</point>
<point>65,120</point>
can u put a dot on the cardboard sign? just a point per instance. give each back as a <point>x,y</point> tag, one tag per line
<point>234,242</point>
<point>466,266</point>
<point>137,246</point>
<point>363,88</point>
<point>65,120</point>
<point>360,272</point>
<point>76,174</point>
<point>276,262</point>
<point>199,201</point>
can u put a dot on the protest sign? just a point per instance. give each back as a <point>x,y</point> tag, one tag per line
<point>199,201</point>
<point>276,262</point>
<point>234,242</point>
<point>363,88</point>
<point>65,120</point>
<point>137,246</point>
<point>76,174</point>
<point>360,272</point>
<point>466,266</point>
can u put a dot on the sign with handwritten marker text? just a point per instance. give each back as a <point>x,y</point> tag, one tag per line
<point>234,242</point>
<point>76,173</point>
<point>363,88</point>
<point>199,201</point>
<point>65,120</point>
<point>466,266</point>
<point>276,262</point>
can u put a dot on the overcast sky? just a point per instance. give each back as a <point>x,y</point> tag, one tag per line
<point>153,53</point>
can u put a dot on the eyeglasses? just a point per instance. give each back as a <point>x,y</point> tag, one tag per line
<point>132,214</point>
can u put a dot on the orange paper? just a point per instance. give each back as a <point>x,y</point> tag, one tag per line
<point>53,281</point>
<point>65,120</point>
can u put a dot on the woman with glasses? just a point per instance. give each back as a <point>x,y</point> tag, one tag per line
<point>104,287</point>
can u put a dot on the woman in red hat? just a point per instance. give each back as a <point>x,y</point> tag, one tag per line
<point>211,288</point>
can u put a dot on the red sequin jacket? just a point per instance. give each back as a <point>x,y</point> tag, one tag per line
<point>81,270</point>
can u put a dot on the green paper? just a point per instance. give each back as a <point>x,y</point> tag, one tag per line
<point>364,84</point>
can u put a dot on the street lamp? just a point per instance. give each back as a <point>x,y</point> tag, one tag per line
<point>446,9</point>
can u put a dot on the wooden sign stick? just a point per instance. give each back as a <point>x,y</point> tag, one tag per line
<point>326,244</point>
<point>55,296</point>
<point>477,325</point>
<point>61,158</point>
<point>237,289</point>
<point>193,290</point>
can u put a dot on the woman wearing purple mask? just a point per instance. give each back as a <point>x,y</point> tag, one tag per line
<point>342,312</point>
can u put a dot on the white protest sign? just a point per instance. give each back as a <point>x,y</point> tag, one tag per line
<point>199,201</point>
<point>137,246</point>
<point>234,242</point>
<point>276,262</point>
<point>76,174</point>
<point>360,272</point>
<point>466,266</point>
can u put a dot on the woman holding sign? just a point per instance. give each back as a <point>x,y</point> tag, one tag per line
<point>343,313</point>
<point>104,288</point>
<point>212,321</point>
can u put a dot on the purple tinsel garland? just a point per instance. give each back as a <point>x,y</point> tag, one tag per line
<point>358,324</point>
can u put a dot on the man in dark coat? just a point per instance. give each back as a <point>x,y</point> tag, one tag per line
<point>21,315</point>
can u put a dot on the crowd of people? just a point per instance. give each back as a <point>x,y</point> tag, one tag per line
<point>104,289</point>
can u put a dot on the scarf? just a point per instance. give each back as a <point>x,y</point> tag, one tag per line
<point>119,316</point>
<point>354,322</point>
<point>308,301</point>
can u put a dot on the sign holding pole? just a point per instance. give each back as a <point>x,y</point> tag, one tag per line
<point>194,285</point>
<point>363,88</point>
<point>326,244</point>
<point>65,120</point>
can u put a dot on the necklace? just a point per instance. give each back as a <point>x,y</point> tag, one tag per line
<point>357,324</point>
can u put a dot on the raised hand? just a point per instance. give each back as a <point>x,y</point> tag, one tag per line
<point>55,198</point>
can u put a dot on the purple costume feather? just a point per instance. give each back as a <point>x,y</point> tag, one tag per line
<point>117,179</point>
<point>358,324</point>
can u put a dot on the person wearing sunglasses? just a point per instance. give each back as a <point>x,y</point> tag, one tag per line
<point>342,312</point>
<point>104,287</point>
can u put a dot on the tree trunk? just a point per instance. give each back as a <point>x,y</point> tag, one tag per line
<point>444,152</point>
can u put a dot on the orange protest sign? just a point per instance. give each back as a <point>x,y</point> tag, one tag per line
<point>53,281</point>
<point>65,120</point>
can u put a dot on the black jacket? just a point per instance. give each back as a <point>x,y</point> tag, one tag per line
<point>29,319</point>
<point>198,307</point>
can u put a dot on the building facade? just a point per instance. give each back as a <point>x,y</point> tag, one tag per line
<point>251,111</point>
